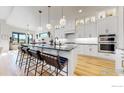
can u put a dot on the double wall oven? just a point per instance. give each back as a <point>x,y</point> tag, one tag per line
<point>107,43</point>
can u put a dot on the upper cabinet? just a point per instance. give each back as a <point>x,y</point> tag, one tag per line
<point>90,30</point>
<point>87,29</point>
<point>107,25</point>
<point>120,32</point>
<point>107,21</point>
<point>70,26</point>
<point>80,31</point>
<point>60,33</point>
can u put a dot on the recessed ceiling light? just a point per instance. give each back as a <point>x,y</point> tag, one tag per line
<point>80,11</point>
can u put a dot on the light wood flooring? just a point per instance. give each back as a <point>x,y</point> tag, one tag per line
<point>93,66</point>
<point>86,66</point>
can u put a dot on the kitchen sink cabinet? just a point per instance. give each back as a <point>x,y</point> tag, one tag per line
<point>107,25</point>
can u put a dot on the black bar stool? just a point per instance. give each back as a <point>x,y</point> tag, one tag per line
<point>19,54</point>
<point>25,56</point>
<point>35,61</point>
<point>57,62</point>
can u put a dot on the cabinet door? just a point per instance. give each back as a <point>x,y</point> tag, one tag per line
<point>90,30</point>
<point>80,49</point>
<point>59,33</point>
<point>111,25</point>
<point>80,31</point>
<point>93,30</point>
<point>101,26</point>
<point>93,50</point>
<point>87,31</point>
<point>107,25</point>
<point>70,26</point>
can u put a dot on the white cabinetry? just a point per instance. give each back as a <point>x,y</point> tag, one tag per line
<point>91,50</point>
<point>86,30</point>
<point>107,25</point>
<point>0,30</point>
<point>80,31</point>
<point>60,33</point>
<point>119,59</point>
<point>120,32</point>
<point>70,26</point>
<point>90,30</point>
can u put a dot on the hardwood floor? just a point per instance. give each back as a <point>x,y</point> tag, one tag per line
<point>93,66</point>
<point>86,66</point>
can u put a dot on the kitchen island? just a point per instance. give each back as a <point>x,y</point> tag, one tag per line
<point>67,51</point>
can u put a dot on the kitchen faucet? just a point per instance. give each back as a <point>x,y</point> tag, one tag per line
<point>55,43</point>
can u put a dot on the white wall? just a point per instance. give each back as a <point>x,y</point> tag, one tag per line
<point>6,32</point>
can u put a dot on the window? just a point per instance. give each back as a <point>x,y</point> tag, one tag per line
<point>15,37</point>
<point>43,35</point>
<point>19,37</point>
<point>22,38</point>
<point>30,38</point>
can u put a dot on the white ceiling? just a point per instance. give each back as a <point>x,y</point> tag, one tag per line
<point>20,16</point>
<point>5,11</point>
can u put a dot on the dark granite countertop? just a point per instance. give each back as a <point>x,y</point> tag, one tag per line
<point>62,48</point>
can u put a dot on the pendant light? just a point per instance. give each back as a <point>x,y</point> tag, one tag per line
<point>40,28</point>
<point>62,20</point>
<point>27,34</point>
<point>28,29</point>
<point>48,25</point>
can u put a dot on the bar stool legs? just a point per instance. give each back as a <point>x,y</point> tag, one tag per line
<point>17,57</point>
<point>28,66</point>
<point>22,59</point>
<point>36,67</point>
<point>57,72</point>
<point>67,68</point>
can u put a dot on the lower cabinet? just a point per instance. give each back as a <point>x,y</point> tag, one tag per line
<point>91,50</point>
<point>94,66</point>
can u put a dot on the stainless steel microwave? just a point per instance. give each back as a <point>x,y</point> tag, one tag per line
<point>111,38</point>
<point>107,43</point>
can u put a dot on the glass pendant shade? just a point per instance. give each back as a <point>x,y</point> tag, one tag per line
<point>49,26</point>
<point>62,21</point>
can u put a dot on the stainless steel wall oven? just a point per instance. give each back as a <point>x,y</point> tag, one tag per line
<point>107,43</point>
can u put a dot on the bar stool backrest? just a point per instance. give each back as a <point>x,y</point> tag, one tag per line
<point>51,60</point>
<point>35,53</point>
<point>25,50</point>
<point>20,47</point>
